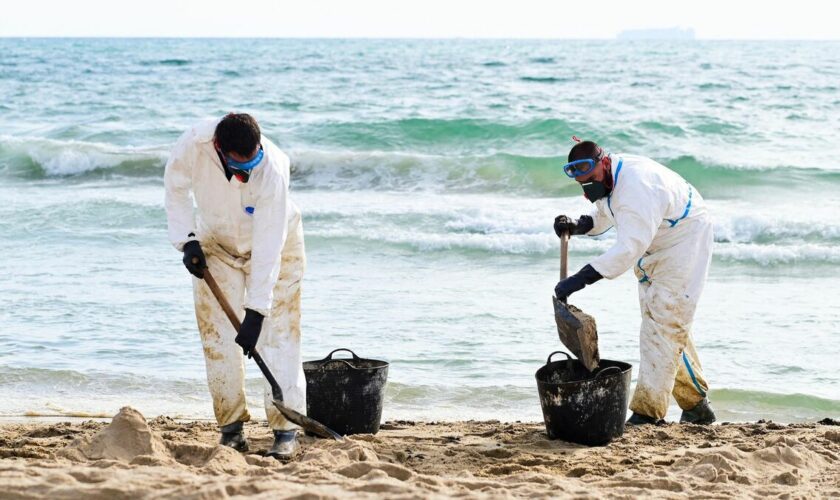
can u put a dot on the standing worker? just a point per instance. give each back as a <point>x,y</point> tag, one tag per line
<point>244,227</point>
<point>664,231</point>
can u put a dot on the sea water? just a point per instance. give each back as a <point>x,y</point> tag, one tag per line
<point>429,175</point>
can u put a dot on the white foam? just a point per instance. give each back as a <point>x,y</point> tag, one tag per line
<point>778,254</point>
<point>494,243</point>
<point>752,227</point>
<point>545,243</point>
<point>342,170</point>
<point>61,158</point>
<point>499,224</point>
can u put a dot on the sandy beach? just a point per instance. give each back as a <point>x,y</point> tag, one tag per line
<point>132,458</point>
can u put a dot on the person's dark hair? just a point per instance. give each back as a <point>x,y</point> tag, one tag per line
<point>238,133</point>
<point>586,150</point>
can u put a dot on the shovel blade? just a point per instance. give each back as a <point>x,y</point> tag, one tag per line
<point>578,332</point>
<point>306,423</point>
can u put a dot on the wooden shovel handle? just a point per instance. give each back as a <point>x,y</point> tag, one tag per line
<point>214,287</point>
<point>220,296</point>
<point>564,255</point>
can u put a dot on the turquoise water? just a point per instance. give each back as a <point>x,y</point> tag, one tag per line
<point>428,174</point>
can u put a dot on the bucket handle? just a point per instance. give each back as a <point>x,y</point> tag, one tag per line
<point>329,356</point>
<point>607,370</point>
<point>568,356</point>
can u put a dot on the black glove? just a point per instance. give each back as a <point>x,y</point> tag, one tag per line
<point>249,332</point>
<point>563,224</point>
<point>192,250</point>
<point>584,224</point>
<point>575,282</point>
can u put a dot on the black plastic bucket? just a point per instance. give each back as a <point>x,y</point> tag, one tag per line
<point>581,406</point>
<point>346,395</point>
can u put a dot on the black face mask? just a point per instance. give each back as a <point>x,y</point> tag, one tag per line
<point>594,190</point>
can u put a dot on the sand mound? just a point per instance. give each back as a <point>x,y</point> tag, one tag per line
<point>127,437</point>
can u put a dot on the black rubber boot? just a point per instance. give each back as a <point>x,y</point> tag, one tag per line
<point>285,445</point>
<point>234,437</point>
<point>639,419</point>
<point>702,414</point>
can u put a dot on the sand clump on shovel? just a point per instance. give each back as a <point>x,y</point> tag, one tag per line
<point>578,332</point>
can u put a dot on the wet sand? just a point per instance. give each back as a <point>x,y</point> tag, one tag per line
<point>132,458</point>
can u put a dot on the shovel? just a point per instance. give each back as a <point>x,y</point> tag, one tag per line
<point>305,422</point>
<point>577,329</point>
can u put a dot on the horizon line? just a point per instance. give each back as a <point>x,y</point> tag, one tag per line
<point>470,38</point>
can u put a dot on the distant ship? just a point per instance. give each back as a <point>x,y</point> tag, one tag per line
<point>658,34</point>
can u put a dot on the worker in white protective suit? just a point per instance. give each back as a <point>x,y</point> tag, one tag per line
<point>665,233</point>
<point>246,229</point>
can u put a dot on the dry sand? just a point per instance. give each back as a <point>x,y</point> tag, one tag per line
<point>130,458</point>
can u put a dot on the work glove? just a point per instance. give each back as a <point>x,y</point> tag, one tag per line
<point>563,224</point>
<point>192,250</point>
<point>249,332</point>
<point>575,282</point>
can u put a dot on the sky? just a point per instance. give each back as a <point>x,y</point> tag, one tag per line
<point>582,19</point>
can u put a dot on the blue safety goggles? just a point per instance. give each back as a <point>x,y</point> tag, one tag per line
<point>578,168</point>
<point>245,166</point>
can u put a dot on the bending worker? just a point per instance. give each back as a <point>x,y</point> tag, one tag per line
<point>249,232</point>
<point>665,233</point>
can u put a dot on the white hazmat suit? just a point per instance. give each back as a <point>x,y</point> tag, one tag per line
<point>252,237</point>
<point>665,233</point>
